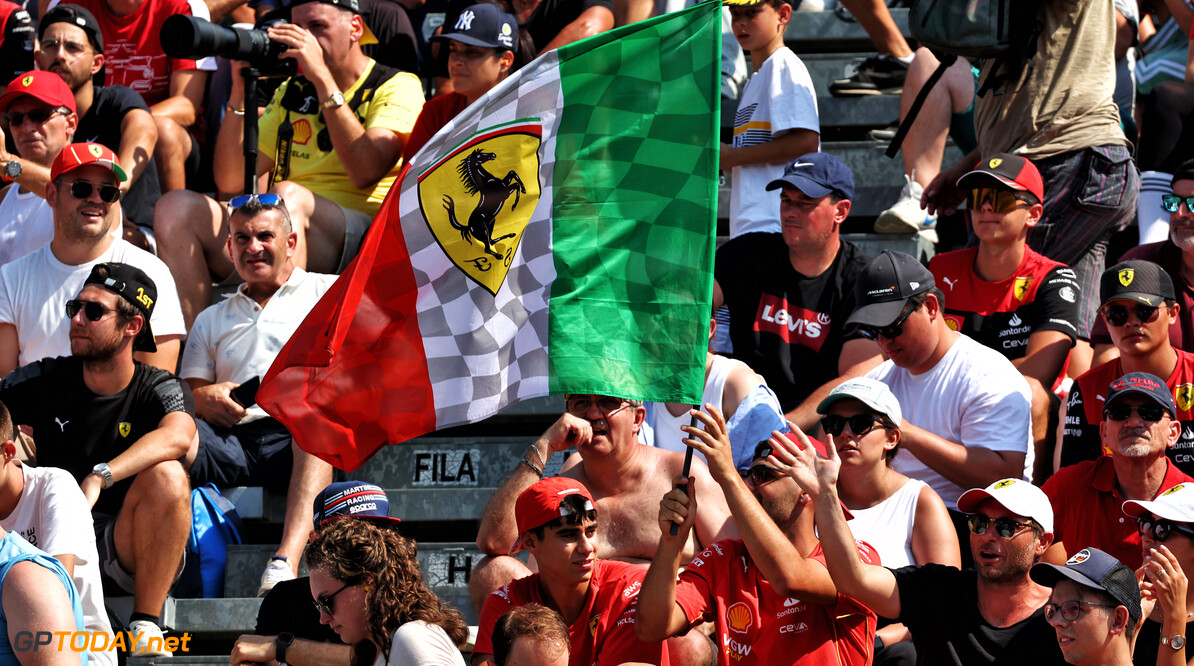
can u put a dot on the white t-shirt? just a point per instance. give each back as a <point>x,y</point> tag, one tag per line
<point>974,396</point>
<point>777,99</point>
<point>26,223</point>
<point>35,288</point>
<point>417,643</point>
<point>237,339</point>
<point>888,525</point>
<point>52,514</point>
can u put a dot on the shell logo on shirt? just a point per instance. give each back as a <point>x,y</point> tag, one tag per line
<point>954,322</point>
<point>739,618</point>
<point>302,131</point>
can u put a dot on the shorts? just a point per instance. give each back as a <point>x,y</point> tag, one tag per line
<point>113,577</point>
<point>356,224</point>
<point>255,454</point>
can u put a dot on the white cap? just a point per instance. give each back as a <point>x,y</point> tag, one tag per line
<point>1015,495</point>
<point>1176,504</point>
<point>870,392</point>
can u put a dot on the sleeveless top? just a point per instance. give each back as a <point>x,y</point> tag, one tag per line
<point>887,526</point>
<point>15,549</point>
<point>666,428</point>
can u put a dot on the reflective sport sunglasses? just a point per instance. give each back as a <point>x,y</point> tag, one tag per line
<point>328,604</point>
<point>578,405</point>
<point>263,199</point>
<point>892,331</point>
<point>1161,529</point>
<point>1070,610</point>
<point>1148,413</point>
<point>860,424</point>
<point>761,475</point>
<point>1001,201</point>
<point>1117,315</point>
<point>1005,527</point>
<point>1171,202</point>
<point>81,189</point>
<point>38,116</point>
<point>92,310</point>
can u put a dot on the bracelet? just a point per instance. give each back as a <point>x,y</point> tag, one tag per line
<point>528,463</point>
<point>538,455</point>
<point>239,112</point>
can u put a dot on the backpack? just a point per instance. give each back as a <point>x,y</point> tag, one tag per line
<point>215,525</point>
<point>1003,30</point>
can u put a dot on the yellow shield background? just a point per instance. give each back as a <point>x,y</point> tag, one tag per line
<point>515,150</point>
<point>1184,397</point>
<point>1126,275</point>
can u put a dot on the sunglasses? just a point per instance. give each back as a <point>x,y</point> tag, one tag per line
<point>860,424</point>
<point>1005,527</point>
<point>892,331</point>
<point>1117,315</point>
<point>92,310</point>
<point>38,116</point>
<point>263,199</point>
<point>1001,201</point>
<point>1149,413</point>
<point>328,604</point>
<point>762,474</point>
<point>1171,202</point>
<point>1160,528</point>
<point>1070,610</point>
<point>81,189</point>
<point>579,405</point>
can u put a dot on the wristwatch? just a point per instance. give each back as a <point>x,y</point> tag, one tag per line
<point>1177,641</point>
<point>105,473</point>
<point>12,170</point>
<point>282,642</point>
<point>337,99</point>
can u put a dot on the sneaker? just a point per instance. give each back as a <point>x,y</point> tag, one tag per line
<point>875,76</point>
<point>885,134</point>
<point>275,572</point>
<point>906,216</point>
<point>151,642</point>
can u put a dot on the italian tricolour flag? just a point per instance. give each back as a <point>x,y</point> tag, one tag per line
<point>556,237</point>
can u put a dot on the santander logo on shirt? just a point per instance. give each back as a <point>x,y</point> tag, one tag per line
<point>794,324</point>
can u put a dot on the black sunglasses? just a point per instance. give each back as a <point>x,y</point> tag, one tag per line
<point>1171,202</point>
<point>328,604</point>
<point>92,310</point>
<point>1149,413</point>
<point>1070,610</point>
<point>81,189</point>
<point>860,424</point>
<point>38,116</point>
<point>892,331</point>
<point>1160,528</point>
<point>763,474</point>
<point>1005,527</point>
<point>1117,315</point>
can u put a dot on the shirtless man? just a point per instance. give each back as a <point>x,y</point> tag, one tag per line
<point>626,479</point>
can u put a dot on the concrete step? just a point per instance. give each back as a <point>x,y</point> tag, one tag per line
<point>209,618</point>
<point>845,113</point>
<point>824,32</point>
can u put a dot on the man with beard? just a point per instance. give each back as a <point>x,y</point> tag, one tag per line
<point>235,341</point>
<point>84,193</point>
<point>992,614</point>
<point>768,594</point>
<point>71,45</point>
<point>119,427</point>
<point>1139,424</point>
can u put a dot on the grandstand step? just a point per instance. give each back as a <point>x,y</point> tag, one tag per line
<point>838,112</point>
<point>824,68</point>
<point>824,32</point>
<point>455,462</point>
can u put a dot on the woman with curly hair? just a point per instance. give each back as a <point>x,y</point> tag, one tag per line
<point>367,586</point>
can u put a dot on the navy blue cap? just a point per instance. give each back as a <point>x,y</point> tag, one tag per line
<point>484,24</point>
<point>817,174</point>
<point>352,499</point>
<point>1145,384</point>
<point>884,287</point>
<point>1092,567</point>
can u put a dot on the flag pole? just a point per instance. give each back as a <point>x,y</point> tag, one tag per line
<point>692,423</point>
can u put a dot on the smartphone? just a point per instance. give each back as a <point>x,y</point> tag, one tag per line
<point>245,395</point>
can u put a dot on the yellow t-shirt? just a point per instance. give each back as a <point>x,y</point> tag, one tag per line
<point>395,105</point>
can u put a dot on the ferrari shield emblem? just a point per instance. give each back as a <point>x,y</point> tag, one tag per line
<point>478,200</point>
<point>1126,276</point>
<point>125,428</point>
<point>995,162</point>
<point>27,81</point>
<point>1020,288</point>
<point>95,150</point>
<point>1184,397</point>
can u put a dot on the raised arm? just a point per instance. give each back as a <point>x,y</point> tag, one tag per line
<point>659,616</point>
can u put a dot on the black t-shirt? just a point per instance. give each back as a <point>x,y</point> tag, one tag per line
<point>288,607</point>
<point>76,429</point>
<point>552,16</point>
<point>786,326</point>
<point>1148,642</point>
<point>16,41</point>
<point>939,605</point>
<point>102,125</point>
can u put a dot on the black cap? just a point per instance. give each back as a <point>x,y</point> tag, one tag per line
<point>1145,384</point>
<point>1136,280</point>
<point>77,16</point>
<point>485,24</point>
<point>133,285</point>
<point>1184,172</point>
<point>1092,567</point>
<point>884,287</point>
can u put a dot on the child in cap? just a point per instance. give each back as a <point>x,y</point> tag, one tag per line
<point>1094,607</point>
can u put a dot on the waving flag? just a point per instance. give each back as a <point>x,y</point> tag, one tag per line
<point>557,236</point>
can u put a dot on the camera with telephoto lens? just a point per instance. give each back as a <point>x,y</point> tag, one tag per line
<point>192,38</point>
